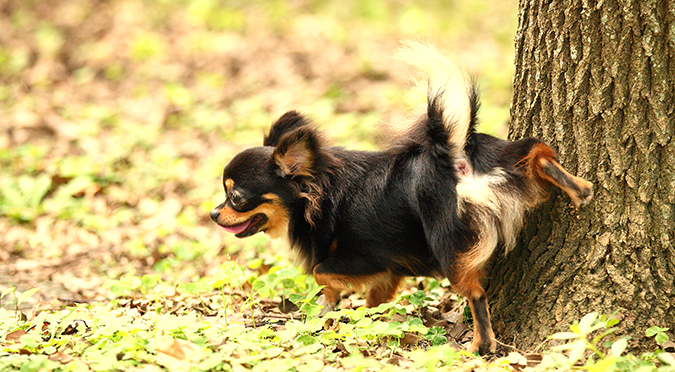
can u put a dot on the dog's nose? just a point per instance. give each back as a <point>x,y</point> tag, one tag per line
<point>215,214</point>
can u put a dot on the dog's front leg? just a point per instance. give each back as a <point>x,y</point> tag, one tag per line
<point>329,299</point>
<point>382,285</point>
<point>330,294</point>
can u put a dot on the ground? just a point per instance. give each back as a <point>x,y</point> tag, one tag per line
<point>116,119</point>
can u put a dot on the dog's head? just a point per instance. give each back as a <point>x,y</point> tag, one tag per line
<point>264,186</point>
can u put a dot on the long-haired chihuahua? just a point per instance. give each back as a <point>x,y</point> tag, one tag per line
<point>438,202</point>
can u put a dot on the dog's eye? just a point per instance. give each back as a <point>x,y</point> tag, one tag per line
<point>236,199</point>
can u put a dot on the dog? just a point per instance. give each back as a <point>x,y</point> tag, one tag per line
<point>438,201</point>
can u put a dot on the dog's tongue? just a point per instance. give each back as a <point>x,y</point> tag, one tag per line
<point>236,229</point>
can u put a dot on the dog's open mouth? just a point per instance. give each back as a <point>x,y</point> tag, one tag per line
<point>247,228</point>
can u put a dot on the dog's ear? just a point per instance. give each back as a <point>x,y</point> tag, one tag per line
<point>296,152</point>
<point>285,124</point>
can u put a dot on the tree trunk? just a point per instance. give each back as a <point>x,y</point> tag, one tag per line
<point>594,79</point>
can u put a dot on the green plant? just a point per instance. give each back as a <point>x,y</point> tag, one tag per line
<point>281,281</point>
<point>439,356</point>
<point>418,299</point>
<point>436,335</point>
<point>307,303</point>
<point>26,295</point>
<point>584,341</point>
<point>590,346</point>
<point>21,197</point>
<point>129,284</point>
<point>658,333</point>
<point>20,298</point>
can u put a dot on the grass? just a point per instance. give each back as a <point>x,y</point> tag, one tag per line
<point>117,119</point>
<point>234,321</point>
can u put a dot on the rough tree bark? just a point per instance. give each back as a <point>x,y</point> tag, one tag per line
<point>595,79</point>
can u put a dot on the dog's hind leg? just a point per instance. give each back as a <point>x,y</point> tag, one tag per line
<point>468,285</point>
<point>467,276</point>
<point>542,166</point>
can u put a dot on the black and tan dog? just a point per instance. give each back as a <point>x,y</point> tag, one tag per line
<point>438,202</point>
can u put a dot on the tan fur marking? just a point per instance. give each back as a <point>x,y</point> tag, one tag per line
<point>313,197</point>
<point>296,161</point>
<point>277,216</point>
<point>580,182</point>
<point>384,282</point>
<point>273,197</point>
<point>467,283</point>
<point>383,292</point>
<point>229,185</point>
<point>480,253</point>
<point>477,337</point>
<point>333,247</point>
<point>541,156</point>
<point>532,167</point>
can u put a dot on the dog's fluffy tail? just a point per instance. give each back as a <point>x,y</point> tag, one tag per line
<point>451,93</point>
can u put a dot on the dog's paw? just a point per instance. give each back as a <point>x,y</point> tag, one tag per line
<point>584,195</point>
<point>321,301</point>
<point>482,347</point>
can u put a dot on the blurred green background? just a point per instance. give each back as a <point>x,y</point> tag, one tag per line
<point>117,116</point>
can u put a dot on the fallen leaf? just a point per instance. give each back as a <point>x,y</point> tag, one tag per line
<point>394,360</point>
<point>341,348</point>
<point>458,330</point>
<point>77,325</point>
<point>178,355</point>
<point>453,317</point>
<point>409,339</point>
<point>61,358</point>
<point>533,359</point>
<point>516,360</point>
<point>15,336</point>
<point>286,306</point>
<point>547,363</point>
